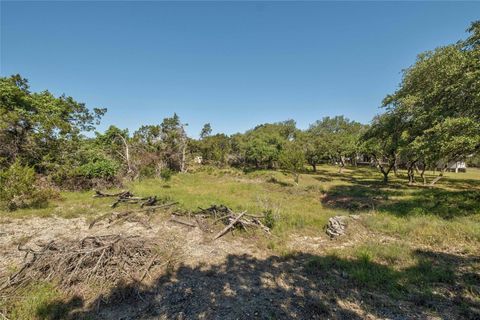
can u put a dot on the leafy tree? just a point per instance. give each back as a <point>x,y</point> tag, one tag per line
<point>38,127</point>
<point>292,159</point>
<point>450,140</point>
<point>175,141</point>
<point>337,138</point>
<point>262,145</point>
<point>150,136</point>
<point>439,90</point>
<point>314,148</point>
<point>215,149</point>
<point>116,143</point>
<point>206,131</point>
<point>383,141</point>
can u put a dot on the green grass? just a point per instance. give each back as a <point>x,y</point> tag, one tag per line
<point>297,208</point>
<point>38,301</point>
<point>398,270</point>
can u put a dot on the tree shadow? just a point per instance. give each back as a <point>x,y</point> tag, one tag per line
<point>361,196</point>
<point>452,198</point>
<point>300,286</point>
<point>460,184</point>
<point>281,183</point>
<point>442,203</point>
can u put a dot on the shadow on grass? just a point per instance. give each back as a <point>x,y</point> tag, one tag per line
<point>279,182</point>
<point>438,202</point>
<point>300,286</point>
<point>461,184</point>
<point>443,203</point>
<point>361,196</point>
<point>450,198</point>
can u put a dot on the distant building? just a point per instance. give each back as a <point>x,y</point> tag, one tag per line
<point>454,166</point>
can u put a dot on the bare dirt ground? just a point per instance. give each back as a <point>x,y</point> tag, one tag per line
<point>229,278</point>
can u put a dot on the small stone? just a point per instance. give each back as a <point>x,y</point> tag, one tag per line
<point>336,226</point>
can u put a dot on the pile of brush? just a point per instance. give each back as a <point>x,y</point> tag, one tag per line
<point>207,218</point>
<point>106,259</point>
<point>141,215</point>
<point>127,197</point>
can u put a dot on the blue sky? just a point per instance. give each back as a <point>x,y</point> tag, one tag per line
<point>233,64</point>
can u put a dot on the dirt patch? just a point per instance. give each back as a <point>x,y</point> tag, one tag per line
<point>196,246</point>
<point>229,278</point>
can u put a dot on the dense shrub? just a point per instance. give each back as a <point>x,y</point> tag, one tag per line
<point>104,169</point>
<point>270,218</point>
<point>147,171</point>
<point>18,189</point>
<point>94,173</point>
<point>166,174</point>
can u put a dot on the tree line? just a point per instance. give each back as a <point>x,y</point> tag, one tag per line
<point>432,119</point>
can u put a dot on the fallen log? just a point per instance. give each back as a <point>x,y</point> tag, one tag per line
<point>225,230</point>
<point>182,222</point>
<point>121,194</point>
<point>131,215</point>
<point>151,201</point>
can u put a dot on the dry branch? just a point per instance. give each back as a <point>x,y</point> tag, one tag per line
<point>222,213</point>
<point>121,194</point>
<point>182,222</point>
<point>131,215</point>
<point>225,230</point>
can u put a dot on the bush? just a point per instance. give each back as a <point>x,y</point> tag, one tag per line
<point>96,173</point>
<point>166,174</point>
<point>103,169</point>
<point>269,219</point>
<point>147,171</point>
<point>18,189</point>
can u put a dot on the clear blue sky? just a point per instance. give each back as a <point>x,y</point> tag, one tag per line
<point>233,64</point>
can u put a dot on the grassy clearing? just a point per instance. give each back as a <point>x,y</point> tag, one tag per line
<point>421,245</point>
<point>447,216</point>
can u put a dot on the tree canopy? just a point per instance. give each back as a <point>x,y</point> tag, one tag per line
<point>432,119</point>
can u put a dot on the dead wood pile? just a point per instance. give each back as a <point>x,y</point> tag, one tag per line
<point>141,215</point>
<point>104,259</point>
<point>206,219</point>
<point>127,197</point>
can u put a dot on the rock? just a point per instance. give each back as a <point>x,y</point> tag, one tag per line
<point>336,226</point>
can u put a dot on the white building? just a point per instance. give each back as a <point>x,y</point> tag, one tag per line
<point>454,166</point>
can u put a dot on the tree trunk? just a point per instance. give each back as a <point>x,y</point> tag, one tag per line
<point>422,174</point>
<point>382,169</point>
<point>438,177</point>
<point>385,176</point>
<point>296,177</point>
<point>127,154</point>
<point>410,172</point>
<point>182,162</point>
<point>314,167</point>
<point>416,169</point>
<point>342,164</point>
